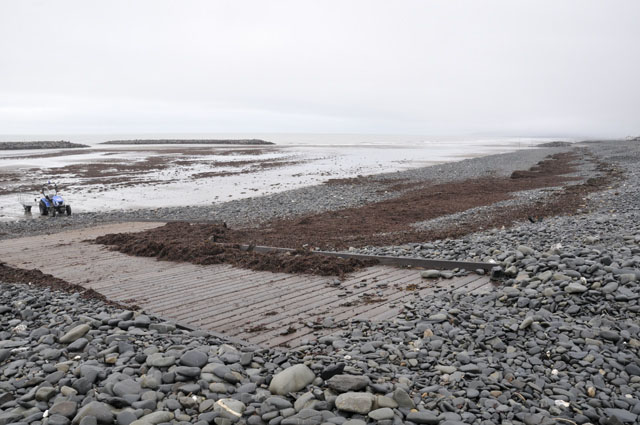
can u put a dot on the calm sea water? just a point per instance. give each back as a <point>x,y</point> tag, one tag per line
<point>296,138</point>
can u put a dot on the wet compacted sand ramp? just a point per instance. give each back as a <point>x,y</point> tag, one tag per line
<point>260,307</point>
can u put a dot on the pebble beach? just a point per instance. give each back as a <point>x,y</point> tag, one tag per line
<point>557,342</point>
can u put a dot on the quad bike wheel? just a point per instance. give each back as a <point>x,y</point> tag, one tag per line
<point>68,209</point>
<point>43,208</point>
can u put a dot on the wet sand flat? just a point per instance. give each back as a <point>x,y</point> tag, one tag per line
<point>110,178</point>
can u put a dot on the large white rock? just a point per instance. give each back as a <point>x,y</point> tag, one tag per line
<point>292,379</point>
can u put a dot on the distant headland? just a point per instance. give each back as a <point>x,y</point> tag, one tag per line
<point>59,144</point>
<point>189,142</point>
<point>556,144</point>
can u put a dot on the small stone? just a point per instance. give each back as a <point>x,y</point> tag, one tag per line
<point>78,344</point>
<point>206,405</point>
<point>75,333</point>
<point>45,393</point>
<point>559,276</point>
<point>575,288</point>
<point>304,417</point>
<point>438,317</point>
<point>423,418</point>
<point>64,408</point>
<point>10,418</point>
<point>68,391</point>
<point>627,278</point>
<point>511,271</point>
<point>292,379</point>
<point>188,402</point>
<point>82,385</point>
<point>345,383</point>
<point>355,402</point>
<point>51,354</point>
<point>622,415</point>
<point>163,328</point>
<point>111,358</point>
<point>367,348</point>
<point>142,321</point>
<point>218,387</point>
<point>609,335</point>
<point>53,419</point>
<point>158,360</point>
<point>148,381</point>
<point>496,273</point>
<point>154,418</point>
<point>128,386</point>
<point>470,368</point>
<point>99,410</point>
<point>545,276</point>
<point>188,371</point>
<point>590,240</point>
<point>278,402</point>
<point>445,369</point>
<point>525,250</point>
<point>4,354</point>
<point>528,321</point>
<point>430,274</point>
<point>402,398</point>
<point>384,401</point>
<point>304,401</point>
<point>632,369</point>
<point>332,370</point>
<point>532,419</point>
<point>126,417</point>
<point>194,358</point>
<point>229,408</point>
<point>89,420</point>
<point>381,414</point>
<point>224,372</point>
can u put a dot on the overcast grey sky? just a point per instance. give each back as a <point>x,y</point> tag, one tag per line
<point>529,68</point>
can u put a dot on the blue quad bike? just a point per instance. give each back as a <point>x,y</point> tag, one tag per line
<point>52,204</point>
